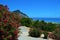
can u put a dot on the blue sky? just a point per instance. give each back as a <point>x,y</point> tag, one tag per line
<point>35,8</point>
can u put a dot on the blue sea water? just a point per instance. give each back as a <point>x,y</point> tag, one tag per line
<point>54,20</point>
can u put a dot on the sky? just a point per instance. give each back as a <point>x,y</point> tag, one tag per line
<point>35,8</point>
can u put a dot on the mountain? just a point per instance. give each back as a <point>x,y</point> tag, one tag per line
<point>20,13</point>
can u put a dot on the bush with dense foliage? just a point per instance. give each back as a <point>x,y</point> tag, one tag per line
<point>35,24</point>
<point>42,25</point>
<point>45,34</point>
<point>34,32</point>
<point>50,27</point>
<point>26,22</point>
<point>57,33</point>
<point>8,24</point>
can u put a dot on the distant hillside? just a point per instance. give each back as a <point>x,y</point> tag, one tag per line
<point>20,13</point>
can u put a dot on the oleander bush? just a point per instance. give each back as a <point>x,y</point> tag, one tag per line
<point>8,24</point>
<point>34,33</point>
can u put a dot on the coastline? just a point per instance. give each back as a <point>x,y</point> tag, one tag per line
<point>52,20</point>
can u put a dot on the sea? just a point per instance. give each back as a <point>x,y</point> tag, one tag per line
<point>54,20</point>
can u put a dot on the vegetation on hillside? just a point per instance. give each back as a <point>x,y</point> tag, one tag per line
<point>41,25</point>
<point>10,22</point>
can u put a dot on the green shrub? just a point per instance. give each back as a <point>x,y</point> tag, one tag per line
<point>57,33</point>
<point>26,22</point>
<point>45,34</point>
<point>34,33</point>
<point>50,27</point>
